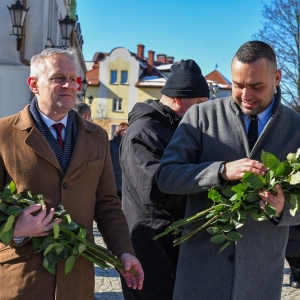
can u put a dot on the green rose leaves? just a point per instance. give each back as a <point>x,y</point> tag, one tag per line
<point>232,205</point>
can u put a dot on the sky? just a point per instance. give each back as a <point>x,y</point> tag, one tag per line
<point>208,31</point>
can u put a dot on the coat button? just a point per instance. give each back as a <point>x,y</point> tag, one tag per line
<point>231,258</point>
<point>65,185</point>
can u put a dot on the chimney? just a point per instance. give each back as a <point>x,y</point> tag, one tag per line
<point>150,61</point>
<point>170,60</point>
<point>161,58</point>
<point>140,51</point>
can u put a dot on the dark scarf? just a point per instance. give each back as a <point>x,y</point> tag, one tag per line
<point>63,156</point>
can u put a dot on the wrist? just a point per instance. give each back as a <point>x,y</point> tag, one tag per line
<point>221,171</point>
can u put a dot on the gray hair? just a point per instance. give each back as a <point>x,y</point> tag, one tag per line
<point>37,62</point>
<point>82,108</point>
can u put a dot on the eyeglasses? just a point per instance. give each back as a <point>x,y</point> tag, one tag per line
<point>59,79</point>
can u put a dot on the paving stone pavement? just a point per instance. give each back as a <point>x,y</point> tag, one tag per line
<point>108,286</point>
<point>107,282</point>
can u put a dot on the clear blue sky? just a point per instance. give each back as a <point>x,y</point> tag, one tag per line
<point>208,31</point>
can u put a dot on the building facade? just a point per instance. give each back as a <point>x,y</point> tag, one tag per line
<point>219,85</point>
<point>119,79</point>
<point>41,29</point>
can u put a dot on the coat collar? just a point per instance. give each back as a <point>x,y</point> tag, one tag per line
<point>36,141</point>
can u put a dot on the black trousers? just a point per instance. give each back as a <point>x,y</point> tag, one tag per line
<point>294,262</point>
<point>292,251</point>
<point>119,194</point>
<point>159,261</point>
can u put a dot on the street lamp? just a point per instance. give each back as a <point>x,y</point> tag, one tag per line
<point>66,27</point>
<point>18,14</point>
<point>91,98</point>
<point>84,85</point>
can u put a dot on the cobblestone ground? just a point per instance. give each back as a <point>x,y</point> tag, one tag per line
<point>108,286</point>
<point>288,293</point>
<point>107,282</point>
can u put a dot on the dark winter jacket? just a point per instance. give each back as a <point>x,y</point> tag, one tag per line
<point>152,126</point>
<point>114,153</point>
<point>148,210</point>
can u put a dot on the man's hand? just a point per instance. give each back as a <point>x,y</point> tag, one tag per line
<point>276,201</point>
<point>235,170</point>
<point>131,262</point>
<point>28,225</point>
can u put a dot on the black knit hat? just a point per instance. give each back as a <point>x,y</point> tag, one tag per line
<point>186,81</point>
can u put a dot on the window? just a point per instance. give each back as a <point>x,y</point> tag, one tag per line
<point>124,77</point>
<point>117,104</point>
<point>113,76</point>
<point>113,128</point>
<point>52,23</point>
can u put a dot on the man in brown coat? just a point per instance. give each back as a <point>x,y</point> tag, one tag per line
<point>70,167</point>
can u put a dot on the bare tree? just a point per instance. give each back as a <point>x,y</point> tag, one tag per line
<point>101,111</point>
<point>281,30</point>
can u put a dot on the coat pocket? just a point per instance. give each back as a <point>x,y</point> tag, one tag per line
<point>8,253</point>
<point>95,163</point>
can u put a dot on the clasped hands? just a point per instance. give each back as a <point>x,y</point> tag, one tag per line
<point>235,170</point>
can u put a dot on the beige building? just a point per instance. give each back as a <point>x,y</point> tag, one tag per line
<point>119,79</point>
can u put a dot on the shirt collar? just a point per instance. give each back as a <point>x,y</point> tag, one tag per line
<point>49,122</point>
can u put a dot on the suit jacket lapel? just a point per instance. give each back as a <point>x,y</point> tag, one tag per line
<point>35,140</point>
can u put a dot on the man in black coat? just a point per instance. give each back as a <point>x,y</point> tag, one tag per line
<point>148,210</point>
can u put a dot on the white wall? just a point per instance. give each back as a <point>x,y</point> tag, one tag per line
<point>14,92</point>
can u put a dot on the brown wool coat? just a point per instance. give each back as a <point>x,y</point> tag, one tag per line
<point>87,191</point>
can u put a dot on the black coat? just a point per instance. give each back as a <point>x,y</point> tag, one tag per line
<point>114,153</point>
<point>293,244</point>
<point>148,210</point>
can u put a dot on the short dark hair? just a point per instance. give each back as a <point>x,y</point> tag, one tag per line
<point>82,108</point>
<point>254,50</point>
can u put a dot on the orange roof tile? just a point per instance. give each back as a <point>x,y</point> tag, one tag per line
<point>217,77</point>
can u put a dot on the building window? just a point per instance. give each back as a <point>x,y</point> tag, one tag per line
<point>117,104</point>
<point>113,76</point>
<point>124,77</point>
<point>113,128</point>
<point>52,21</point>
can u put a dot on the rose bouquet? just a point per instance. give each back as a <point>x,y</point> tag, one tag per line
<point>66,241</point>
<point>231,205</point>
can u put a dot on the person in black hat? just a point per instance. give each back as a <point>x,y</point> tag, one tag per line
<point>149,211</point>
